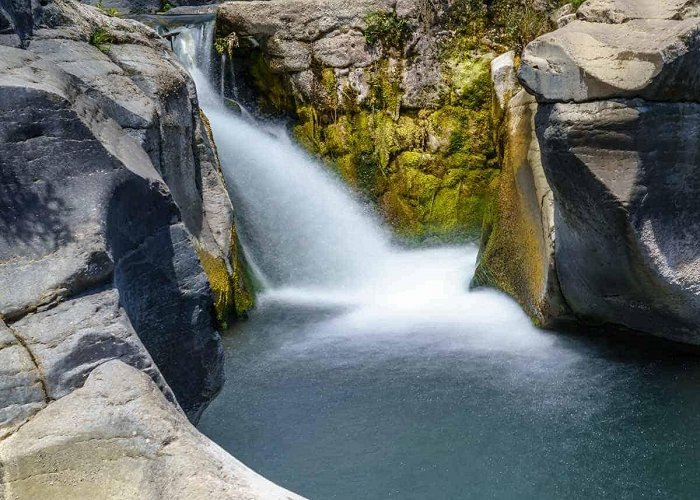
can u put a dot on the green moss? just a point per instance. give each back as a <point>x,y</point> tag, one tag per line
<point>275,96</point>
<point>243,286</point>
<point>388,29</point>
<point>429,171</point>
<point>220,283</point>
<point>226,44</point>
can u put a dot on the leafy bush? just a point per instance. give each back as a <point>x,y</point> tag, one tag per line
<point>388,29</point>
<point>100,38</point>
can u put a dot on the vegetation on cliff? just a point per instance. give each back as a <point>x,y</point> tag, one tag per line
<point>407,122</point>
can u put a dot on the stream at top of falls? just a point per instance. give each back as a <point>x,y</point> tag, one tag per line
<point>369,372</point>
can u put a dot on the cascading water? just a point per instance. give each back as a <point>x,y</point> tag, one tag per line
<point>371,372</point>
<point>312,241</point>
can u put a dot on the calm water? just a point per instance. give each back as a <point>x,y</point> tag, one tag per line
<point>427,414</point>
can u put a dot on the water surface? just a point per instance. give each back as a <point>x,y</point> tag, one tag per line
<point>333,409</point>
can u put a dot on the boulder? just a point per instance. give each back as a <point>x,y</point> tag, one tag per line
<point>621,11</point>
<point>624,177</point>
<point>118,437</point>
<point>616,124</point>
<point>110,178</point>
<point>654,59</point>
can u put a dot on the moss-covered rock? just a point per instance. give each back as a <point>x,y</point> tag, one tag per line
<point>427,162</point>
<point>517,252</point>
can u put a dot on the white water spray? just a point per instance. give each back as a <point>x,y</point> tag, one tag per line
<point>315,245</point>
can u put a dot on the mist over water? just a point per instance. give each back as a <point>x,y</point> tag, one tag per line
<point>369,371</point>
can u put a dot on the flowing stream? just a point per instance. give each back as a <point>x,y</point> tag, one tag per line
<point>370,372</point>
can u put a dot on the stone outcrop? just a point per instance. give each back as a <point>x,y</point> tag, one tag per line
<point>117,254</point>
<point>648,56</point>
<point>110,179</point>
<point>398,106</point>
<point>518,237</point>
<point>616,124</point>
<point>118,437</point>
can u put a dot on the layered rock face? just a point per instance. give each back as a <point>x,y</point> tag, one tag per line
<point>383,94</point>
<point>103,163</point>
<point>617,125</point>
<point>112,207</point>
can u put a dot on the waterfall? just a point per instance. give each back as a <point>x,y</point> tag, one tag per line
<point>303,229</point>
<point>222,79</point>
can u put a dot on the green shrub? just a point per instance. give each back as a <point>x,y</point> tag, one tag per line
<point>512,23</point>
<point>100,38</point>
<point>165,6</point>
<point>388,29</point>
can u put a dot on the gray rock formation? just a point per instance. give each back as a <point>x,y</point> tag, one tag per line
<point>118,437</point>
<point>617,128</point>
<point>22,391</point>
<point>517,252</point>
<point>109,175</point>
<point>647,56</point>
<point>627,217</point>
<point>110,193</point>
<point>299,37</point>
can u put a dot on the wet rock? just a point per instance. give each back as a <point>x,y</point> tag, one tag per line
<point>517,252</point>
<point>392,108</point>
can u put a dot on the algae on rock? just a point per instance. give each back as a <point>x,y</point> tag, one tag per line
<point>406,121</point>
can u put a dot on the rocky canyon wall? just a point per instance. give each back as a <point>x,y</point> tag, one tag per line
<point>615,126</point>
<point>117,257</point>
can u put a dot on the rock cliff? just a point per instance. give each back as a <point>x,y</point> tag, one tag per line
<point>117,256</point>
<point>382,92</point>
<point>615,125</point>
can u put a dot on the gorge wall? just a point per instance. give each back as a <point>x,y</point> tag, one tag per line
<point>117,257</point>
<point>395,103</point>
<point>612,236</point>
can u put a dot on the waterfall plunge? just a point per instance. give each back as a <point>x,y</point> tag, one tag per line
<point>313,244</point>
